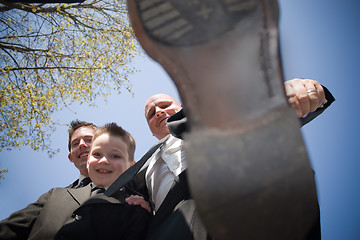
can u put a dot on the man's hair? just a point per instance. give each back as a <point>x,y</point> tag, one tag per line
<point>114,130</point>
<point>78,124</point>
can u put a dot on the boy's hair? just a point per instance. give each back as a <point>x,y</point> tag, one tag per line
<point>75,125</point>
<point>114,130</point>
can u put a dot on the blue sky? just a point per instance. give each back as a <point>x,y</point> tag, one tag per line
<point>320,40</point>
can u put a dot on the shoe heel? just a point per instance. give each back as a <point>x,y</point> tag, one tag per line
<point>253,185</point>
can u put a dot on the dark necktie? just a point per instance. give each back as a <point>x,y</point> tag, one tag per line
<point>83,182</point>
<point>97,190</point>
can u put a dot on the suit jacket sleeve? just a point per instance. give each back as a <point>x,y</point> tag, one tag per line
<point>19,224</point>
<point>178,123</point>
<point>137,186</point>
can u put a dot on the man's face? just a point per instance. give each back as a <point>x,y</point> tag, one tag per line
<point>80,147</point>
<point>108,159</point>
<point>158,108</point>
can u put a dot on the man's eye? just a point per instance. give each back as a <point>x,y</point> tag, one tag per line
<point>165,105</point>
<point>75,144</point>
<point>151,114</point>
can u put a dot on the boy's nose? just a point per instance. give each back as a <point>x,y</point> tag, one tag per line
<point>103,160</point>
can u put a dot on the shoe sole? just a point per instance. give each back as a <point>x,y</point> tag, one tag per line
<point>248,168</point>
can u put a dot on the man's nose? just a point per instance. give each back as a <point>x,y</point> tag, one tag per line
<point>82,142</point>
<point>159,111</point>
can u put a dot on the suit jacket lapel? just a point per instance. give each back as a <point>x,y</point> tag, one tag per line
<point>80,195</point>
<point>74,184</point>
<point>178,192</point>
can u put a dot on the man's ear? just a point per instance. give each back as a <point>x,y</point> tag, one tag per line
<point>69,156</point>
<point>133,162</point>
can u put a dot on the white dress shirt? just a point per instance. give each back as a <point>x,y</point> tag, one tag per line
<point>166,163</point>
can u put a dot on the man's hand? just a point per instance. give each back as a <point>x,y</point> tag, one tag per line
<point>138,200</point>
<point>304,95</point>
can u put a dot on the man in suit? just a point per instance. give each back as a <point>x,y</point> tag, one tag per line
<point>164,178</point>
<point>74,213</point>
<point>80,137</point>
<point>79,143</point>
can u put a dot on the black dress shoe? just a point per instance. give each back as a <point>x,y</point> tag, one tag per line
<point>248,168</point>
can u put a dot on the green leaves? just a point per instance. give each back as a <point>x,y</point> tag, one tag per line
<point>53,55</point>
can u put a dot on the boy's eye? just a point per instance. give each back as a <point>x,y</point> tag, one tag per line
<point>96,154</point>
<point>116,156</point>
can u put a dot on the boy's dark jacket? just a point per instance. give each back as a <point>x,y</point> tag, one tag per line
<point>70,214</point>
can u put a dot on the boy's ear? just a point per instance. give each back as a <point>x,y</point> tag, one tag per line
<point>133,162</point>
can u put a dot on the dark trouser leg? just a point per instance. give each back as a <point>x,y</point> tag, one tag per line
<point>248,168</point>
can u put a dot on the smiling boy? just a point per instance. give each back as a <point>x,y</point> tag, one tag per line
<point>78,213</point>
<point>111,153</point>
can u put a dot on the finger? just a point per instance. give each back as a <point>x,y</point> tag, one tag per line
<point>321,93</point>
<point>138,200</point>
<point>129,201</point>
<point>132,199</point>
<point>313,96</point>
<point>292,99</point>
<point>146,206</point>
<point>302,96</point>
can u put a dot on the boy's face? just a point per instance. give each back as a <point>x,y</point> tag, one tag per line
<point>108,159</point>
